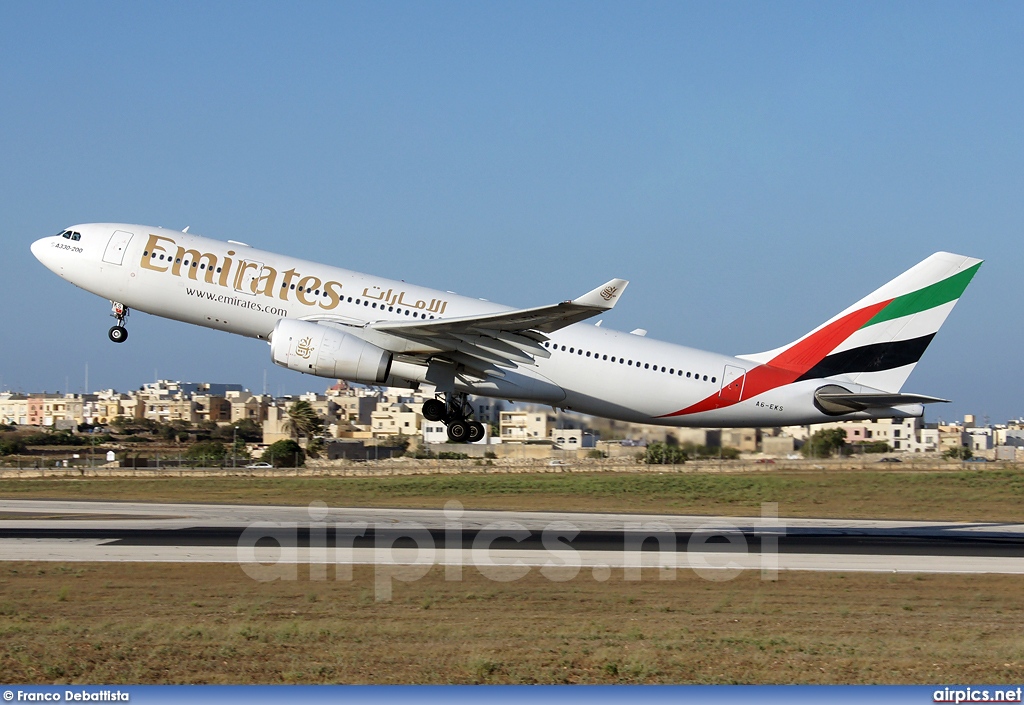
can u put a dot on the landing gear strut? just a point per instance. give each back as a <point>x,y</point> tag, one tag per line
<point>118,333</point>
<point>454,412</point>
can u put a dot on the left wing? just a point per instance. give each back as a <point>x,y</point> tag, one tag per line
<point>504,339</point>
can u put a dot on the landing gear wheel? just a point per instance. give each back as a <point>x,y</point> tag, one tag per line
<point>476,432</point>
<point>458,431</point>
<point>119,312</point>
<point>433,410</point>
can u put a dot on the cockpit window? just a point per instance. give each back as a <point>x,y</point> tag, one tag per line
<point>76,236</point>
<point>66,234</point>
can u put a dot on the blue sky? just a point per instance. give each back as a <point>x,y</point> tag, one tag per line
<point>752,168</point>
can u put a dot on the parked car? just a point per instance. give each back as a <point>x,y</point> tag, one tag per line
<point>976,459</point>
<point>890,460</point>
<point>256,466</point>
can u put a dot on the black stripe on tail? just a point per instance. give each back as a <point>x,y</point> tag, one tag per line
<point>871,358</point>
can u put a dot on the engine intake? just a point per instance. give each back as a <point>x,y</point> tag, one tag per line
<point>327,352</point>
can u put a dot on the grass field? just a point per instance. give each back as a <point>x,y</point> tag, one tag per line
<point>972,495</point>
<point>196,623</point>
<point>162,623</point>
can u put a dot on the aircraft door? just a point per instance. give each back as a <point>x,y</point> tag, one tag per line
<point>249,274</point>
<point>732,384</point>
<point>118,245</point>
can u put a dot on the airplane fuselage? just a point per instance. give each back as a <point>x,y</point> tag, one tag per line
<point>591,369</point>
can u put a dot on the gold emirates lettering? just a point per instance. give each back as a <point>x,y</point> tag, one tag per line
<point>248,277</point>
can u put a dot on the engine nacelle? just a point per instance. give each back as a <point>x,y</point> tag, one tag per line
<point>327,352</point>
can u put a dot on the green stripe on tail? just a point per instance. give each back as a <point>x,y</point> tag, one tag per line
<point>949,289</point>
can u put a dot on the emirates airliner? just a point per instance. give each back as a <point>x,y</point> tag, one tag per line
<point>331,322</point>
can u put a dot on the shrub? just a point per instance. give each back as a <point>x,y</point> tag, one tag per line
<point>284,454</point>
<point>207,452</point>
<point>664,454</point>
<point>12,446</point>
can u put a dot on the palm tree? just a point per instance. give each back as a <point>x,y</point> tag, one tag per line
<point>303,420</point>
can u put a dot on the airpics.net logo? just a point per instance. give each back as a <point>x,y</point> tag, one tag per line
<point>501,551</point>
<point>977,695</point>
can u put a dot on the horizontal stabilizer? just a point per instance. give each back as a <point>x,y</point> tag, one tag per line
<point>842,402</point>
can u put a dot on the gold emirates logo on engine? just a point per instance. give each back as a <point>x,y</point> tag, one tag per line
<point>305,348</point>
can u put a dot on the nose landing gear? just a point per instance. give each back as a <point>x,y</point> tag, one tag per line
<point>118,333</point>
<point>454,412</point>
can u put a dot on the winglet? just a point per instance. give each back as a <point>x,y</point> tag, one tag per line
<point>603,297</point>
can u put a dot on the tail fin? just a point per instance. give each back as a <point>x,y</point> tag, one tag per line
<point>877,341</point>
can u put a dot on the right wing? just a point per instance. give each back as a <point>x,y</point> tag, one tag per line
<point>484,343</point>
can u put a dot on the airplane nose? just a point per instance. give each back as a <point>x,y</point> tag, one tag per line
<point>42,251</point>
<point>38,247</point>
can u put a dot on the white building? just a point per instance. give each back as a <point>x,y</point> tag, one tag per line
<point>521,425</point>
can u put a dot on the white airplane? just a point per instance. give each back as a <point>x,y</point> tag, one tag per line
<point>331,322</point>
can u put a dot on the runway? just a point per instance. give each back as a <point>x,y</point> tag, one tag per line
<point>260,536</point>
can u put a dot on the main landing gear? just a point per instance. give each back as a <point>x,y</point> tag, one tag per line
<point>118,333</point>
<point>454,412</point>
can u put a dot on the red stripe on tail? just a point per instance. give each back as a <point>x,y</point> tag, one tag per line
<point>790,364</point>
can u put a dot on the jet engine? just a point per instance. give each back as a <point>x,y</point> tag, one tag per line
<point>327,352</point>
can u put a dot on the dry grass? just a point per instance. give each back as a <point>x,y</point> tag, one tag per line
<point>196,623</point>
<point>971,495</point>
